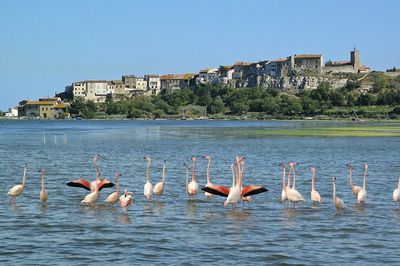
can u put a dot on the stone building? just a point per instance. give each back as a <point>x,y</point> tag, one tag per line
<point>352,66</point>
<point>177,81</point>
<point>44,108</point>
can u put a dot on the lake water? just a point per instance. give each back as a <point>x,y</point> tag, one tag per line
<point>174,230</point>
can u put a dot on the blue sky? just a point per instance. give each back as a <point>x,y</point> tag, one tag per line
<point>46,45</point>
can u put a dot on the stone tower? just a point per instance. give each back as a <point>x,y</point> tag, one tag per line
<point>355,59</point>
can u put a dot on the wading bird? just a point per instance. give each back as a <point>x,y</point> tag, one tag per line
<point>193,186</point>
<point>100,183</point>
<point>17,190</point>
<point>315,197</point>
<point>337,202</point>
<point>292,194</point>
<point>113,197</point>
<point>126,200</point>
<point>159,187</point>
<point>362,195</point>
<point>354,189</point>
<point>43,193</point>
<point>235,193</point>
<point>208,195</point>
<point>92,197</point>
<point>148,187</point>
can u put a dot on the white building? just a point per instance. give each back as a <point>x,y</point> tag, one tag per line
<point>153,83</point>
<point>208,75</point>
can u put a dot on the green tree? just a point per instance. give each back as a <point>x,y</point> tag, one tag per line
<point>216,106</point>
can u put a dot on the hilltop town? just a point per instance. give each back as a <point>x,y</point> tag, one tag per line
<point>291,75</point>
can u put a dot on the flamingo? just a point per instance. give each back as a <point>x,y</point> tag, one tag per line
<point>159,187</point>
<point>315,197</point>
<point>148,187</point>
<point>43,193</point>
<point>126,200</point>
<point>17,190</point>
<point>362,195</point>
<point>92,197</point>
<point>235,192</point>
<point>113,197</point>
<point>354,189</point>
<point>337,202</point>
<point>91,186</point>
<point>292,194</point>
<point>193,185</point>
<point>208,195</point>
<point>396,192</point>
<point>245,192</point>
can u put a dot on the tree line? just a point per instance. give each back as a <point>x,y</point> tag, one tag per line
<point>214,100</point>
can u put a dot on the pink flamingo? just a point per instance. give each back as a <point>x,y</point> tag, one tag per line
<point>126,200</point>
<point>113,197</point>
<point>193,185</point>
<point>245,191</point>
<point>91,186</point>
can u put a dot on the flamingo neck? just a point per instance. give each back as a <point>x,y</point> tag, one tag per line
<point>117,184</point>
<point>163,173</point>
<point>148,171</point>
<point>24,178</point>
<point>43,181</point>
<point>194,171</point>
<point>350,179</point>
<point>312,181</point>
<point>365,178</point>
<point>208,170</point>
<point>284,178</point>
<point>233,175</point>
<point>289,177</point>
<point>294,179</point>
<point>334,191</point>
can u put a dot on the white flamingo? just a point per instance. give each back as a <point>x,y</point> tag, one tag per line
<point>92,197</point>
<point>315,197</point>
<point>337,202</point>
<point>148,187</point>
<point>114,197</point>
<point>17,190</point>
<point>208,195</point>
<point>362,195</point>
<point>292,194</point>
<point>235,192</point>
<point>159,187</point>
<point>354,189</point>
<point>43,193</point>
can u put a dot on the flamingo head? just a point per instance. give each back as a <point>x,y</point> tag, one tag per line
<point>42,171</point>
<point>118,174</point>
<point>349,165</point>
<point>312,169</point>
<point>366,166</point>
<point>282,164</point>
<point>185,165</point>
<point>147,158</point>
<point>95,158</point>
<point>194,159</point>
<point>334,179</point>
<point>207,157</point>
